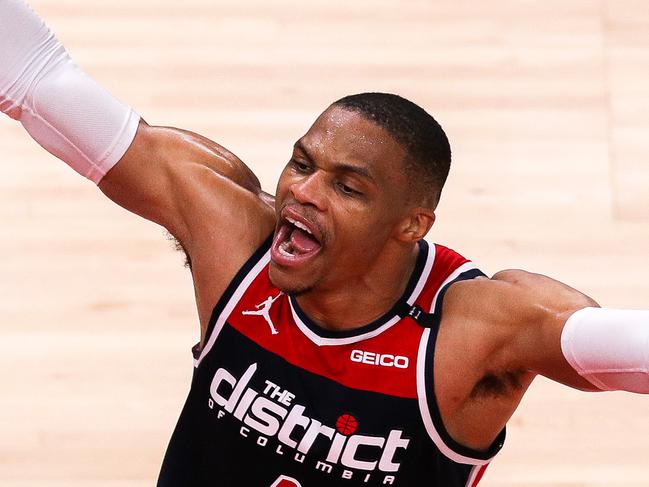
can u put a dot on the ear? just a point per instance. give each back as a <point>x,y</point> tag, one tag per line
<point>416,225</point>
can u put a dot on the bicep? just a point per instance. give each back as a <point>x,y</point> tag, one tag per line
<point>168,175</point>
<point>538,308</point>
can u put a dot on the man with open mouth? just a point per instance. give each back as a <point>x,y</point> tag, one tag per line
<point>337,346</point>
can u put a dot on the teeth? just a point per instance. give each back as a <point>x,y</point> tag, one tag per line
<point>284,252</point>
<point>284,249</point>
<point>300,225</point>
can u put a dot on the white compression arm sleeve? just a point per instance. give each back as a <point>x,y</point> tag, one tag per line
<point>61,107</point>
<point>609,348</point>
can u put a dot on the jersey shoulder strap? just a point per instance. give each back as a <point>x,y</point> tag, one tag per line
<point>449,267</point>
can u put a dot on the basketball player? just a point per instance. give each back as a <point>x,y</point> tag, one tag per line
<point>337,347</point>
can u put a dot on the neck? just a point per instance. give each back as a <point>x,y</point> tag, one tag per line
<point>361,301</point>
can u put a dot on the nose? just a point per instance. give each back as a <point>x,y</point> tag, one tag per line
<point>309,190</point>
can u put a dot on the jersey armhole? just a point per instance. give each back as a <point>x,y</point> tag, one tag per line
<point>238,285</point>
<point>426,389</point>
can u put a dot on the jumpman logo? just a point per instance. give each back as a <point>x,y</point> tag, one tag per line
<point>263,309</point>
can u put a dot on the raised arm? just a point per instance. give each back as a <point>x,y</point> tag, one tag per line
<point>145,169</point>
<point>202,193</point>
<point>518,325</point>
<point>182,180</point>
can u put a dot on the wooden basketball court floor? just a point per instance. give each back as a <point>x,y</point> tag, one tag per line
<point>546,107</point>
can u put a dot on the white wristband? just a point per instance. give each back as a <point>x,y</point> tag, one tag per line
<point>61,107</point>
<point>609,348</point>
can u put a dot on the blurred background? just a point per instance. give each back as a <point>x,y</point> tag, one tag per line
<point>545,105</point>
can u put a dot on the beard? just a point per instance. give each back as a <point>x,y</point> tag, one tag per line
<point>294,290</point>
<point>289,286</point>
<point>298,291</point>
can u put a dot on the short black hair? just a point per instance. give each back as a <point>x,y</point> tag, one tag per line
<point>428,152</point>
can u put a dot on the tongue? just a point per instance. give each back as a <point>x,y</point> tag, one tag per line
<point>303,242</point>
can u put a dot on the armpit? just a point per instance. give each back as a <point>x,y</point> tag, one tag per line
<point>494,385</point>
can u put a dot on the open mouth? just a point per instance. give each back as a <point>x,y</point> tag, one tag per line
<point>295,242</point>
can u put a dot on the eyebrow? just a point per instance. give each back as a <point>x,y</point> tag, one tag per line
<point>339,166</point>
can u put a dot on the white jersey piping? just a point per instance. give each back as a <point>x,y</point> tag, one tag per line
<point>467,266</point>
<point>425,413</point>
<point>323,341</point>
<point>232,302</point>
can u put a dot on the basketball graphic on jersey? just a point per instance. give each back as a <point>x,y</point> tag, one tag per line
<point>346,424</point>
<point>284,481</point>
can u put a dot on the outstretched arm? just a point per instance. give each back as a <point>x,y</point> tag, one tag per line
<point>545,327</point>
<point>162,174</point>
<point>504,331</point>
<point>203,194</point>
<point>174,177</point>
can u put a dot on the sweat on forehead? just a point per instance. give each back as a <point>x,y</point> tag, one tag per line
<point>343,138</point>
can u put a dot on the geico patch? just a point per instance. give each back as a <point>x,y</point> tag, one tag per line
<point>382,359</point>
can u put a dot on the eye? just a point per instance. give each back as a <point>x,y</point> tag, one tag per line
<point>347,190</point>
<point>299,166</point>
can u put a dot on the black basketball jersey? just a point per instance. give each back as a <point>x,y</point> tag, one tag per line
<point>276,400</point>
